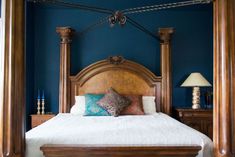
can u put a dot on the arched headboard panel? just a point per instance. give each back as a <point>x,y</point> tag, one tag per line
<point>125,76</point>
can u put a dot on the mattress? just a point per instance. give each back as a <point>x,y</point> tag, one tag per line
<point>157,129</point>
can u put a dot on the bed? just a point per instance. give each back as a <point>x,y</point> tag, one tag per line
<point>149,130</point>
<point>156,135</point>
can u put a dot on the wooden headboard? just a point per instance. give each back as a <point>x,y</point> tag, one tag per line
<point>125,76</point>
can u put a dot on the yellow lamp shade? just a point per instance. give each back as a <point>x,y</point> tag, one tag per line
<point>196,80</point>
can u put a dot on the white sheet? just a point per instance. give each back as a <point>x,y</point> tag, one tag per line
<point>157,129</point>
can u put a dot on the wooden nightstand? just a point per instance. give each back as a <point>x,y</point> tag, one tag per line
<point>37,119</point>
<point>200,119</point>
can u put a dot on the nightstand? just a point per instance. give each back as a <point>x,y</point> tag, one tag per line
<point>199,119</point>
<point>37,119</point>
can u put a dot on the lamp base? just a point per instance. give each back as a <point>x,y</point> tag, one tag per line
<point>196,98</point>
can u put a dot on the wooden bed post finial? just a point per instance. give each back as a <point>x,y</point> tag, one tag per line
<point>165,34</point>
<point>65,44</point>
<point>65,34</point>
<point>165,37</point>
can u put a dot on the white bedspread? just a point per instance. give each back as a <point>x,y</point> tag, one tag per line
<point>157,129</point>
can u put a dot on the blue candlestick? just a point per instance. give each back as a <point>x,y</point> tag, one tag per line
<point>43,97</point>
<point>38,94</point>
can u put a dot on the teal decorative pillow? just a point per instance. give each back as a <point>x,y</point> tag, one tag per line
<point>92,108</point>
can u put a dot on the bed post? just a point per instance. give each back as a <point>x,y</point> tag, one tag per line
<point>224,78</point>
<point>65,44</point>
<point>12,79</point>
<point>165,37</point>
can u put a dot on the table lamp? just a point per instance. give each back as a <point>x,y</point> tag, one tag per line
<point>196,80</point>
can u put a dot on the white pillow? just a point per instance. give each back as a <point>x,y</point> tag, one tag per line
<point>149,104</point>
<point>79,107</point>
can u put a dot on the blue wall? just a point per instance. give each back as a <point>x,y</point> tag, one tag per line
<point>192,47</point>
<point>29,37</point>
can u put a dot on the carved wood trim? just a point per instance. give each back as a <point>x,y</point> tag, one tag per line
<point>12,107</point>
<point>224,78</point>
<point>119,151</point>
<point>165,36</point>
<point>64,87</point>
<point>67,90</point>
<point>92,77</point>
<point>103,65</point>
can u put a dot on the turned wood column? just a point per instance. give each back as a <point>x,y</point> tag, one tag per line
<point>64,91</point>
<point>165,37</point>
<point>12,80</point>
<point>224,78</point>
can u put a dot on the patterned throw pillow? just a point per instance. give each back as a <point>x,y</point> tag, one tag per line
<point>136,106</point>
<point>113,102</point>
<point>92,108</point>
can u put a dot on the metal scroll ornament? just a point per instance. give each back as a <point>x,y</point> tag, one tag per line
<point>117,17</point>
<point>121,17</point>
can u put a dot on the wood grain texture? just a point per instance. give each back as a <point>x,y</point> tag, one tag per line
<point>126,77</point>
<point>166,86</point>
<point>199,119</point>
<point>64,97</point>
<point>119,151</point>
<point>224,78</point>
<point>38,119</point>
<point>12,108</point>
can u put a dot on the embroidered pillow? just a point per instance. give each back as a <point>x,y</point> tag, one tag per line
<point>113,102</point>
<point>91,106</point>
<point>136,106</point>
